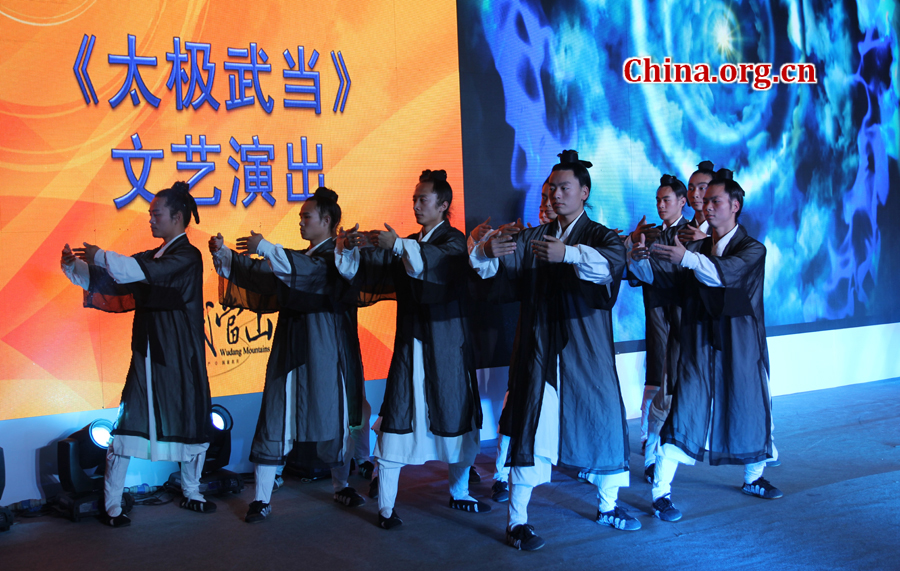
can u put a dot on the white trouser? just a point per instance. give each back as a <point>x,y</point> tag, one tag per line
<point>649,392</point>
<point>117,468</point>
<point>670,456</point>
<point>523,480</point>
<point>502,470</point>
<point>265,476</point>
<point>361,434</point>
<point>389,481</point>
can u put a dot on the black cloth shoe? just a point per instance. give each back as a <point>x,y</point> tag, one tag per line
<point>523,537</point>
<point>366,469</point>
<point>258,512</point>
<point>664,509</point>
<point>390,522</point>
<point>761,488</point>
<point>619,519</point>
<point>349,497</point>
<point>373,488</point>
<point>470,506</point>
<point>120,520</point>
<point>648,473</point>
<point>198,506</point>
<point>474,476</point>
<point>500,492</point>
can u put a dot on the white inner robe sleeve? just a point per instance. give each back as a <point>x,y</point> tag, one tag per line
<point>222,262</point>
<point>411,254</point>
<point>78,273</point>
<point>703,268</point>
<point>122,269</point>
<point>484,266</point>
<point>278,258</point>
<point>347,262</point>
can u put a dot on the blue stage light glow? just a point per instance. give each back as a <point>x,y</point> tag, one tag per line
<point>100,432</point>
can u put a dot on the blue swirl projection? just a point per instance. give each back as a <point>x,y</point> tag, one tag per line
<point>817,160</point>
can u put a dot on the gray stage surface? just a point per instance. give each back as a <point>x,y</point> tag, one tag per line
<point>840,473</point>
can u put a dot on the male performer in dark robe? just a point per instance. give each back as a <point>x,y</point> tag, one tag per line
<point>662,317</point>
<point>482,232</point>
<point>564,405</point>
<point>431,409</point>
<point>721,405</point>
<point>165,410</point>
<point>314,380</point>
<point>698,227</point>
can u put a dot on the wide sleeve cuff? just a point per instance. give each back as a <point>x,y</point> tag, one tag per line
<point>411,253</point>
<point>347,262</point>
<point>78,273</point>
<point>641,269</point>
<point>485,267</point>
<point>222,262</point>
<point>277,258</point>
<point>704,269</point>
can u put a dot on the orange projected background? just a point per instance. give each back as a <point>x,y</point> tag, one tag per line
<point>60,179</point>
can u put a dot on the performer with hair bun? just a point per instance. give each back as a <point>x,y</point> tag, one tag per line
<point>721,404</point>
<point>165,410</point>
<point>431,409</point>
<point>698,227</point>
<point>482,232</point>
<point>662,315</point>
<point>565,405</point>
<point>314,379</point>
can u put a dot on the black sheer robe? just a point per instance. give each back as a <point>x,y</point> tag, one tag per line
<point>723,369</point>
<point>562,315</point>
<point>662,313</point>
<point>432,310</point>
<point>316,338</point>
<point>168,317</point>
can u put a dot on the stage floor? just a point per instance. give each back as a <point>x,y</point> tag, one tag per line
<point>840,473</point>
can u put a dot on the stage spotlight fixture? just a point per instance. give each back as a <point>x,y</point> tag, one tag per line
<point>100,432</point>
<point>221,418</point>
<point>215,480</point>
<point>85,450</point>
<point>6,516</point>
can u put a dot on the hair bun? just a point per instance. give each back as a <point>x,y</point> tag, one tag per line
<point>706,166</point>
<point>571,156</point>
<point>724,174</point>
<point>181,186</point>
<point>324,193</point>
<point>668,180</point>
<point>439,175</point>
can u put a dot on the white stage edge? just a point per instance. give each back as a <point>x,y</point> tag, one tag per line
<point>799,363</point>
